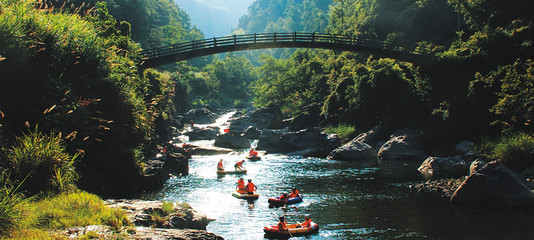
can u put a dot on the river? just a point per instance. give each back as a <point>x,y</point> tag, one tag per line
<point>349,200</point>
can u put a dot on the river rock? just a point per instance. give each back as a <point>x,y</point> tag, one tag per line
<point>177,163</point>
<point>207,150</point>
<point>464,147</point>
<point>443,167</point>
<point>476,165</point>
<point>202,133</point>
<point>312,141</point>
<point>270,139</point>
<point>107,232</point>
<point>233,141</point>
<point>252,133</point>
<point>353,150</point>
<point>373,136</point>
<point>403,145</point>
<point>269,117</point>
<point>141,213</point>
<point>200,116</point>
<point>494,185</point>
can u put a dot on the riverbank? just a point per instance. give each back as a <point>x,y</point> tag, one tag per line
<point>86,216</point>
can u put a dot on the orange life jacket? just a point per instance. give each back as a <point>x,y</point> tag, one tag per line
<point>240,184</point>
<point>251,187</point>
<point>240,163</point>
<point>306,223</point>
<point>220,165</point>
<point>282,226</point>
<point>294,194</point>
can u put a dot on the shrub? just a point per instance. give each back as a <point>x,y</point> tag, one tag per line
<point>42,160</point>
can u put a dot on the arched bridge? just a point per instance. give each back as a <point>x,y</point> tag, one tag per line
<point>198,48</point>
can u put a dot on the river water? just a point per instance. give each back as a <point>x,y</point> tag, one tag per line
<point>349,200</point>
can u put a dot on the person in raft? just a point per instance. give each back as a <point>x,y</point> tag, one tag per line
<point>282,224</point>
<point>307,222</point>
<point>252,152</point>
<point>294,193</point>
<point>241,188</point>
<point>239,165</point>
<point>251,188</point>
<point>220,165</point>
<point>284,197</point>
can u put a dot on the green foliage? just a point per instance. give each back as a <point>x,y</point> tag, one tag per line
<point>42,163</point>
<point>515,150</point>
<point>168,207</point>
<point>516,97</point>
<point>343,131</point>
<point>74,209</point>
<point>78,76</point>
<point>395,22</point>
<point>10,206</point>
<point>229,79</point>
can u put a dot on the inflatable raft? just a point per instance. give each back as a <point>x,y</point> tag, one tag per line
<point>238,194</point>
<point>221,172</point>
<point>292,230</point>
<point>277,202</point>
<point>253,158</point>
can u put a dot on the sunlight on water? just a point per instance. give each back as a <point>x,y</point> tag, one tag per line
<point>349,200</point>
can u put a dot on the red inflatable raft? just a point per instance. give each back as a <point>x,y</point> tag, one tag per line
<point>292,230</point>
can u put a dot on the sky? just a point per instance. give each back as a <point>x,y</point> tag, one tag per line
<point>215,17</point>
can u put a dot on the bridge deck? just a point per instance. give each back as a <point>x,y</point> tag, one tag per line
<point>198,48</point>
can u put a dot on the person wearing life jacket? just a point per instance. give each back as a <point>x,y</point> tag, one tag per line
<point>241,188</point>
<point>282,224</point>
<point>239,165</point>
<point>252,153</point>
<point>220,165</point>
<point>284,197</point>
<point>294,193</point>
<point>307,222</point>
<point>251,188</point>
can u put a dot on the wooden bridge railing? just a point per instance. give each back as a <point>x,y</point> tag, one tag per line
<point>264,38</point>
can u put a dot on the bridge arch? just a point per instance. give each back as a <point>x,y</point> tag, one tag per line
<point>198,48</point>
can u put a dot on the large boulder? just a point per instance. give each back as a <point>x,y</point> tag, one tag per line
<point>200,116</point>
<point>270,139</point>
<point>443,167</point>
<point>373,136</point>
<point>403,145</point>
<point>202,133</point>
<point>361,147</point>
<point>269,117</point>
<point>252,133</point>
<point>353,150</point>
<point>494,185</point>
<point>233,141</point>
<point>313,140</point>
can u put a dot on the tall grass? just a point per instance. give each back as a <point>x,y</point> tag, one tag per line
<point>342,130</point>
<point>10,206</point>
<point>75,209</point>
<point>43,162</point>
<point>515,151</point>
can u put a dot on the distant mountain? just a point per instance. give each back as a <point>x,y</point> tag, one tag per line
<point>215,17</point>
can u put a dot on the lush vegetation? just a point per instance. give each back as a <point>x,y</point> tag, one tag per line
<point>478,86</point>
